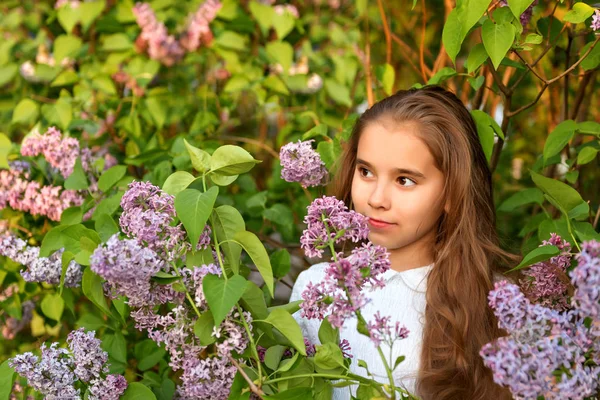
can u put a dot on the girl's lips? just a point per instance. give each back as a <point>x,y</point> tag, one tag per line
<point>379,224</point>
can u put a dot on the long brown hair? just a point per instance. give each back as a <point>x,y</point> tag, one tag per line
<point>458,321</point>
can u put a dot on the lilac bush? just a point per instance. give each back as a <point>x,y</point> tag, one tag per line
<point>549,352</point>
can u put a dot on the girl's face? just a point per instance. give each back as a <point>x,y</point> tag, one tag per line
<point>398,186</point>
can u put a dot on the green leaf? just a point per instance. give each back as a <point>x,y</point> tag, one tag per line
<point>519,6</point>
<point>231,160</point>
<point>287,325</point>
<point>66,46</point>
<point>110,177</point>
<point>298,393</point>
<point>497,39</point>
<point>193,209</point>
<point>520,198</point>
<point>5,146</point>
<point>158,110</point>
<point>177,182</point>
<point>253,300</point>
<point>387,78</point>
<point>486,127</point>
<point>273,356</point>
<point>282,53</point>
<point>7,73</point>
<point>399,360</point>
<point>279,214</point>
<point>460,21</point>
<point>231,40</point>
<point>361,6</point>
<point>137,391</point>
<point>280,262</point>
<point>442,75</point>
<point>78,179</point>
<point>200,158</point>
<point>148,354</point>
<point>203,328</point>
<point>164,278</point>
<point>274,83</point>
<point>116,42</point>
<point>534,38</point>
<point>283,24</point>
<point>256,250</point>
<point>222,180</point>
<point>316,131</point>
<point>65,78</point>
<point>593,59</point>
<point>91,285</point>
<point>567,197</point>
<point>328,334</point>
<point>26,112</point>
<point>227,221</point>
<point>222,295</point>
<point>539,254</point>
<point>579,13</point>
<point>116,346</point>
<point>558,138</point>
<point>338,92</point>
<point>586,155</point>
<point>7,378</point>
<point>477,56</point>
<point>263,14</point>
<point>68,17</point>
<point>329,356</point>
<point>53,306</point>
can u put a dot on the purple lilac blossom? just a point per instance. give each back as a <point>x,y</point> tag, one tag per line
<point>147,215</point>
<point>39,269</point>
<point>300,163</point>
<point>90,360</point>
<point>596,20</point>
<point>127,266</point>
<point>381,330</point>
<point>21,194</point>
<point>549,353</point>
<point>60,153</point>
<point>343,285</point>
<point>13,326</point>
<point>547,282</point>
<point>51,375</point>
<point>526,15</point>
<point>110,388</point>
<point>345,347</point>
<point>329,213</point>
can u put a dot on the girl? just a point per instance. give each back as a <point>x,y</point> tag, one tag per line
<point>415,167</point>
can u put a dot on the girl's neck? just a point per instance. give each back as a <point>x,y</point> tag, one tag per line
<point>415,255</point>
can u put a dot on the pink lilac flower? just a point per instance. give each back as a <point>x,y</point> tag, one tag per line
<point>208,378</point>
<point>345,347</point>
<point>329,219</point>
<point>51,375</point>
<point>596,21</point>
<point>586,278</point>
<point>198,32</point>
<point>21,194</point>
<point>546,282</point>
<point>300,163</point>
<point>39,269</point>
<point>127,266</point>
<point>60,153</point>
<point>154,36</point>
<point>381,330</point>
<point>89,359</point>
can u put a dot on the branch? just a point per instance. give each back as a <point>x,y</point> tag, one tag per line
<point>525,107</point>
<point>422,44</point>
<point>575,65</point>
<point>370,98</point>
<point>506,91</point>
<point>386,31</point>
<point>255,389</point>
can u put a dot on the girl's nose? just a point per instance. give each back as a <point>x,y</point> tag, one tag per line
<point>379,197</point>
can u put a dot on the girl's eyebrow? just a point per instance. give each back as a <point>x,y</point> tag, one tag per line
<point>397,170</point>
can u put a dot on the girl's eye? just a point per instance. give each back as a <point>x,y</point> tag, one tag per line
<point>404,181</point>
<point>363,172</point>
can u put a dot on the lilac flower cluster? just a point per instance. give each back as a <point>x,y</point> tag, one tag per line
<point>147,216</point>
<point>546,282</point>
<point>300,163</point>
<point>56,373</point>
<point>329,219</point>
<point>166,48</point>
<point>13,326</point>
<point>39,269</point>
<point>60,153</point>
<point>381,330</point>
<point>202,377</point>
<point>21,194</point>
<point>596,21</point>
<point>549,353</point>
<point>127,267</point>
